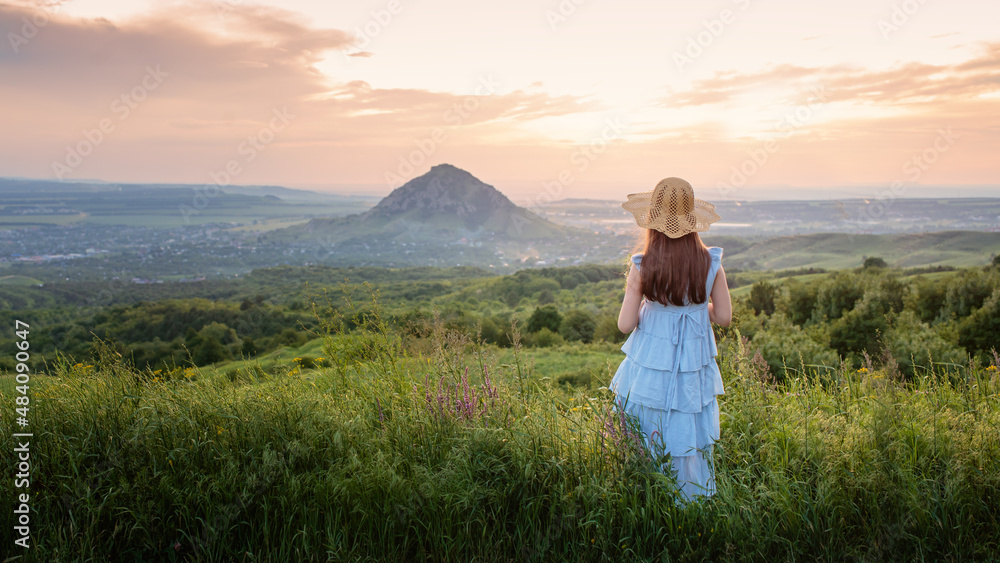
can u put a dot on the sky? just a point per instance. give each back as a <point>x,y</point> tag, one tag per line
<point>543,99</point>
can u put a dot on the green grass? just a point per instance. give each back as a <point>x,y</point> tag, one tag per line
<point>19,281</point>
<point>844,250</point>
<point>362,462</point>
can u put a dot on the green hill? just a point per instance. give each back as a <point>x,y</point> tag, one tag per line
<point>840,250</point>
<point>443,206</point>
<point>19,281</point>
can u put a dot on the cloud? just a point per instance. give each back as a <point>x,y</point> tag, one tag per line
<point>227,67</point>
<point>912,82</point>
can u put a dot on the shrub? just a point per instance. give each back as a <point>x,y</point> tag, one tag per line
<point>966,292</point>
<point>837,295</point>
<point>544,338</point>
<point>762,295</point>
<point>874,262</point>
<point>546,316</point>
<point>606,329</point>
<point>980,332</point>
<point>926,298</point>
<point>801,301</point>
<point>914,343</point>
<point>578,325</point>
<point>859,329</point>
<point>785,345</point>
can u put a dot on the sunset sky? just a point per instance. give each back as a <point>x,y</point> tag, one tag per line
<point>746,99</point>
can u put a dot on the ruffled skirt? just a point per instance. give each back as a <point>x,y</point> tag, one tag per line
<point>678,414</point>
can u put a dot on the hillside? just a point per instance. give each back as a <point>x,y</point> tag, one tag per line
<point>840,250</point>
<point>445,205</point>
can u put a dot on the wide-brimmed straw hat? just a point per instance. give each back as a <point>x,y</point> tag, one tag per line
<point>671,208</point>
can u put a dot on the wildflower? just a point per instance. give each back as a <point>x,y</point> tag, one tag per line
<point>991,368</point>
<point>170,462</point>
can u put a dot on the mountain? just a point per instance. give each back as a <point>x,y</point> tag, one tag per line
<point>445,205</point>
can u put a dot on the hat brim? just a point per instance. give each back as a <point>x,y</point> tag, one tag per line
<point>697,221</point>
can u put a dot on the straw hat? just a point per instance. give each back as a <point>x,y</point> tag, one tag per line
<point>671,208</point>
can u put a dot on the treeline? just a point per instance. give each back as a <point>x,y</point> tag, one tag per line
<point>234,323</point>
<point>871,314</point>
<point>171,333</point>
<point>489,308</point>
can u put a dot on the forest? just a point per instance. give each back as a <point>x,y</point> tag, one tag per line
<point>804,320</point>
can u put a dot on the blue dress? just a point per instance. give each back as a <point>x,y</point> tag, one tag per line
<point>669,381</point>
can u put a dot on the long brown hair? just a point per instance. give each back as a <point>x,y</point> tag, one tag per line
<point>673,267</point>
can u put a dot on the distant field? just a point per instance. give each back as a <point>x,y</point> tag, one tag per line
<point>163,206</point>
<point>756,219</point>
<point>19,281</point>
<point>268,225</point>
<point>838,250</point>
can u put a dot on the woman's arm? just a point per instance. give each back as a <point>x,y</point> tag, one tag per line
<point>628,317</point>
<point>720,310</point>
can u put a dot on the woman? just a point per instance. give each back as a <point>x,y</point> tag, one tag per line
<point>669,378</point>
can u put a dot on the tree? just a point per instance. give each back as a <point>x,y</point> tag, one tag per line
<point>578,325</point>
<point>980,331</point>
<point>248,350</point>
<point>544,338</point>
<point>837,295</point>
<point>915,343</point>
<point>209,352</point>
<point>762,296</point>
<point>801,301</point>
<point>546,316</point>
<point>874,262</point>
<point>926,298</point>
<point>606,329</point>
<point>859,330</point>
<point>783,344</point>
<point>967,292</point>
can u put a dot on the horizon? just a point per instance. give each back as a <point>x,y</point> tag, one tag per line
<point>860,193</point>
<point>748,101</point>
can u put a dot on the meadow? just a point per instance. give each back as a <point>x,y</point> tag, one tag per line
<point>426,443</point>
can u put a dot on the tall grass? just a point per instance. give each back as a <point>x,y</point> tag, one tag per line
<point>427,448</point>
